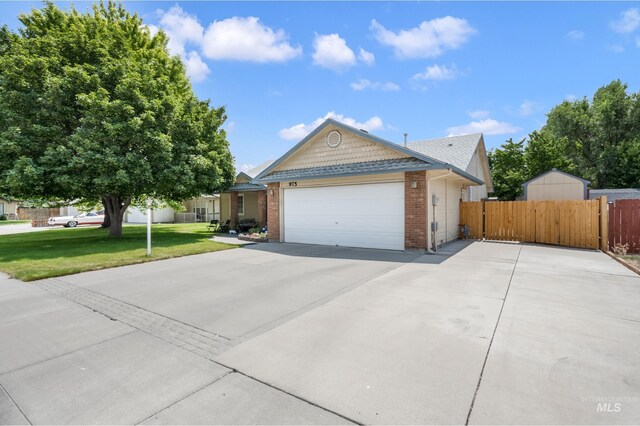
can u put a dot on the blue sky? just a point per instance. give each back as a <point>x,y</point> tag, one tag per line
<point>426,68</point>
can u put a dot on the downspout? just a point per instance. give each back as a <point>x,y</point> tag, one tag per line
<point>432,243</point>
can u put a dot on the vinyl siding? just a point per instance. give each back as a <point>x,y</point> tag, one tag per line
<point>555,186</point>
<point>352,149</point>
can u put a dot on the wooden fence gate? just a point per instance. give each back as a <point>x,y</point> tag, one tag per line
<point>624,224</point>
<point>568,223</point>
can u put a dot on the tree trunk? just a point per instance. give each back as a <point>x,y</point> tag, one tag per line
<point>107,217</point>
<point>115,208</point>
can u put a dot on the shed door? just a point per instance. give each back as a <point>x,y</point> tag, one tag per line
<point>369,216</point>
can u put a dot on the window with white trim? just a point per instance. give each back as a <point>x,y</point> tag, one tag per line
<point>241,204</point>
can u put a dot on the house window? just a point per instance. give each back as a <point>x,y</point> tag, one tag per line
<point>241,204</point>
<point>1,208</point>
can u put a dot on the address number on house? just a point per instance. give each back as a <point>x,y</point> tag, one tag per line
<point>291,184</point>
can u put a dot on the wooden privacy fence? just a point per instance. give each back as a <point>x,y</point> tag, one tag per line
<point>565,223</point>
<point>624,225</point>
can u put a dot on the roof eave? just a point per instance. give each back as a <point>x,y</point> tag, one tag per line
<point>367,136</point>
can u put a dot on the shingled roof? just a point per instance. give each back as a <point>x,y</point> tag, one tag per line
<point>416,161</point>
<point>455,150</point>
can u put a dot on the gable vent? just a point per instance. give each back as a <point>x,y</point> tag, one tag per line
<point>334,138</point>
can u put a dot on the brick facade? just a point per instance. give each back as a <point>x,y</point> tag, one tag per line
<point>233,197</point>
<point>262,208</point>
<point>415,210</point>
<point>273,211</point>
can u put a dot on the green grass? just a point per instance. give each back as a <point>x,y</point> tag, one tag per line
<point>13,222</point>
<point>633,259</point>
<point>46,254</point>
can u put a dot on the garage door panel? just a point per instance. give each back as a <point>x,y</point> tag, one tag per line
<point>370,215</point>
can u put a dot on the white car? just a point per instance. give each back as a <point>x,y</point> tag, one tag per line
<point>91,218</point>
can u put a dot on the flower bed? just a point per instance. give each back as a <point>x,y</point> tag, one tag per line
<point>255,237</point>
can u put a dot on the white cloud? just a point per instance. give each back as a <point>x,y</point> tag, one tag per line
<point>247,39</point>
<point>488,126</point>
<point>366,57</point>
<point>437,72</point>
<point>196,68</point>
<point>331,51</point>
<point>570,97</point>
<point>479,114</point>
<point>575,35</point>
<point>299,131</point>
<point>616,48</point>
<point>363,84</point>
<point>529,107</point>
<point>181,28</point>
<point>246,167</point>
<point>430,39</point>
<point>628,22</point>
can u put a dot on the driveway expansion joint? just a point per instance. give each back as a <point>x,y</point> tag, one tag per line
<point>495,329</point>
<point>3,389</point>
<point>197,341</point>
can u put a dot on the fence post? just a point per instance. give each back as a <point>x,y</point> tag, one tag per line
<point>604,224</point>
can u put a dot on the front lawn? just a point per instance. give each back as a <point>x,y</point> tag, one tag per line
<point>45,254</point>
<point>13,222</point>
<point>633,259</point>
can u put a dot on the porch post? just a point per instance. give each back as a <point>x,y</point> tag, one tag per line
<point>233,197</point>
<point>262,208</point>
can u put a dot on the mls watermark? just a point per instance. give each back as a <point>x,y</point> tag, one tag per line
<point>610,404</point>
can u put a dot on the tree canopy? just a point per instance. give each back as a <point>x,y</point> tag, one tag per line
<point>93,107</point>
<point>597,139</point>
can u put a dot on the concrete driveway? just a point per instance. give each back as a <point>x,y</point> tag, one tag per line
<point>276,333</point>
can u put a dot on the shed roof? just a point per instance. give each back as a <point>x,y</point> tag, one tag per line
<point>616,194</point>
<point>554,170</point>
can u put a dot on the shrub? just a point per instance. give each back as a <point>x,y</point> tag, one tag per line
<point>3,217</point>
<point>621,249</point>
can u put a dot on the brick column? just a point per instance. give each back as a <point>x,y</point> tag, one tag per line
<point>415,210</point>
<point>262,208</point>
<point>234,210</point>
<point>273,211</point>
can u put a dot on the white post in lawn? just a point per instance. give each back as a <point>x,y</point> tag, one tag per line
<point>149,203</point>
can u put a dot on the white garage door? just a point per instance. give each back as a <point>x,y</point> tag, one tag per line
<point>370,215</point>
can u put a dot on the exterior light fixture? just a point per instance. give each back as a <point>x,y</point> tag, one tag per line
<point>414,184</point>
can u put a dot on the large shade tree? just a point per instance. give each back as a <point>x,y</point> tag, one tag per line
<point>93,107</point>
<point>597,139</point>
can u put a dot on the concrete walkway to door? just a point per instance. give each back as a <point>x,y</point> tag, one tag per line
<point>283,333</point>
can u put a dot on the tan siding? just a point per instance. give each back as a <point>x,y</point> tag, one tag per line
<point>351,180</point>
<point>555,186</point>
<point>10,207</point>
<point>449,191</point>
<point>476,193</point>
<point>352,149</point>
<point>225,207</point>
<point>250,206</point>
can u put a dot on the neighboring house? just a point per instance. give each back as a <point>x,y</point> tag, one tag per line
<point>9,207</point>
<point>616,194</point>
<point>245,200</point>
<point>161,215</point>
<point>201,209</point>
<point>466,152</point>
<point>341,186</point>
<point>556,185</point>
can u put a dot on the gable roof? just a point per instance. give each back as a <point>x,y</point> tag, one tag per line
<point>554,170</point>
<point>456,150</point>
<point>424,162</point>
